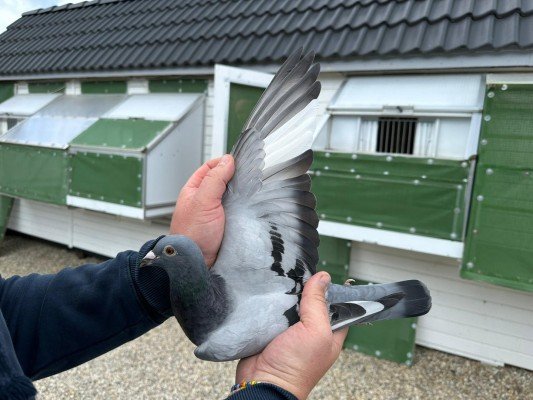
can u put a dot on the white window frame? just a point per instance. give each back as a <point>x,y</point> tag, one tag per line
<point>224,77</point>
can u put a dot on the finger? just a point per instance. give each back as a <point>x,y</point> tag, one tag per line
<point>339,337</point>
<point>196,179</point>
<point>313,310</point>
<point>214,183</point>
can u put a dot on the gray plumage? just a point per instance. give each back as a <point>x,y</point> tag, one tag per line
<point>269,249</point>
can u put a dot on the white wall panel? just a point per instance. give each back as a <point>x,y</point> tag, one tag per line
<point>472,319</point>
<point>43,220</point>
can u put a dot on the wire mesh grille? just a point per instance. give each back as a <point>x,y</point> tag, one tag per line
<point>396,135</point>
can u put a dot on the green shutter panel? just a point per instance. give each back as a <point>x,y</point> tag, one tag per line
<point>499,241</point>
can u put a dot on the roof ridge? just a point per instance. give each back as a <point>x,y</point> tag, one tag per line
<point>69,6</point>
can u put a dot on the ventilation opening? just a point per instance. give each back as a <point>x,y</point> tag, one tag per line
<point>396,135</point>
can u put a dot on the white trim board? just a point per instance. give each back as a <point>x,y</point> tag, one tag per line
<point>103,206</point>
<point>398,240</point>
<point>224,77</point>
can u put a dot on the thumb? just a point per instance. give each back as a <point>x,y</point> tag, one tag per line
<point>313,307</point>
<point>214,184</point>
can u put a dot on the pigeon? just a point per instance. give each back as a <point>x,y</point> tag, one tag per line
<point>269,249</point>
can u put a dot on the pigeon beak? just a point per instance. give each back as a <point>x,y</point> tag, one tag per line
<point>148,259</point>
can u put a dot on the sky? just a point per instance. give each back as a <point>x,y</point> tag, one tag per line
<point>11,10</point>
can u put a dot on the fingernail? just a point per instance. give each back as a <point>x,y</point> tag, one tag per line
<point>349,282</point>
<point>325,279</point>
<point>224,160</point>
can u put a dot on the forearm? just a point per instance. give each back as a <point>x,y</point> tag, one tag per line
<point>60,321</point>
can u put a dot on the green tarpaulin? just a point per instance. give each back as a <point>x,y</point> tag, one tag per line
<point>499,242</point>
<point>404,194</point>
<point>110,178</point>
<point>33,172</point>
<point>131,134</point>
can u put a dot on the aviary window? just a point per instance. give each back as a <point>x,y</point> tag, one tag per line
<point>396,135</point>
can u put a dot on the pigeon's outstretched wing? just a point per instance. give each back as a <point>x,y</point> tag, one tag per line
<point>272,157</point>
<point>270,240</point>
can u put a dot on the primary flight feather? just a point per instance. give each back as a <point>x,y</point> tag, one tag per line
<point>269,249</point>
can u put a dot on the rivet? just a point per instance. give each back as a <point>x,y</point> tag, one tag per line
<point>378,353</point>
<point>484,142</point>
<point>430,161</point>
<point>348,244</point>
<point>464,164</point>
<point>487,118</point>
<point>465,180</point>
<point>349,219</point>
<point>489,171</point>
<point>413,325</point>
<point>389,158</point>
<point>317,173</point>
<point>409,355</point>
<point>490,95</point>
<point>480,198</point>
<point>453,235</point>
<point>504,87</point>
<point>457,210</point>
<point>416,182</point>
<point>357,176</point>
<point>412,229</point>
<point>354,156</point>
<point>322,216</point>
<point>326,168</point>
<point>355,347</point>
<point>101,197</point>
<point>379,224</point>
<point>352,170</point>
<point>459,187</point>
<point>423,176</point>
<point>327,155</point>
<point>385,172</point>
<point>475,231</point>
<point>121,201</point>
<point>323,263</point>
<point>470,265</point>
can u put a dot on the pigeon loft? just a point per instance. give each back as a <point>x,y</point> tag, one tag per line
<point>125,154</point>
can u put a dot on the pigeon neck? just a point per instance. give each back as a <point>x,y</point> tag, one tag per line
<point>199,302</point>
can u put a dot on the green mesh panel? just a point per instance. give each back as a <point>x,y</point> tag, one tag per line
<point>110,178</point>
<point>242,100</point>
<point>334,258</point>
<point>404,194</point>
<point>499,238</point>
<point>7,90</point>
<point>134,134</point>
<point>171,85</point>
<point>89,87</point>
<point>46,87</point>
<point>34,173</point>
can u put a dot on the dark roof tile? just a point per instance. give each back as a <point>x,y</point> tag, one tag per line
<point>137,34</point>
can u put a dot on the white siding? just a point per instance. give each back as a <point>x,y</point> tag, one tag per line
<point>472,319</point>
<point>96,232</point>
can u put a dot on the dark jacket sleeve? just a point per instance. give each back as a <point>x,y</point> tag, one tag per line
<point>262,391</point>
<point>59,321</point>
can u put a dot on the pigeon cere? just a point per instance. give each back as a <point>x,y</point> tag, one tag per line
<point>269,249</point>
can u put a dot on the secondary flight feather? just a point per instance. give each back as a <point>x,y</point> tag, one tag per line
<point>269,249</point>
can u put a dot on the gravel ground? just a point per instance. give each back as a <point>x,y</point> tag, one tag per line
<point>160,364</point>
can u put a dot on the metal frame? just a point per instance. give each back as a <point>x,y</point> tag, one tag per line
<point>224,77</point>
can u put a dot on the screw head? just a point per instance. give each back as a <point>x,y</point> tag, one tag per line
<point>379,224</point>
<point>490,95</point>
<point>354,156</point>
<point>412,229</point>
<point>480,197</point>
<point>327,155</point>
<point>484,142</point>
<point>487,118</point>
<point>504,87</point>
<point>489,171</point>
<point>470,265</point>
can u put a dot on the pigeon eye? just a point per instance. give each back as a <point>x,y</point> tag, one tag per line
<point>169,250</point>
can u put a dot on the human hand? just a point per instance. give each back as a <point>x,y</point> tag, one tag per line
<point>199,214</point>
<point>298,358</point>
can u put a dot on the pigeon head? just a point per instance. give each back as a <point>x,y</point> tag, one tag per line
<point>174,253</point>
<point>194,290</point>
